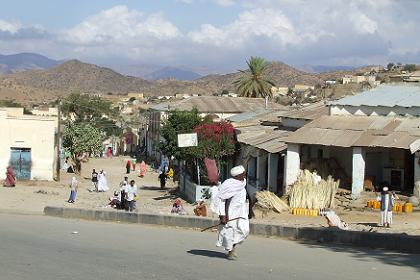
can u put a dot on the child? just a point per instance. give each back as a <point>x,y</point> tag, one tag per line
<point>177,208</point>
<point>162,178</point>
<point>73,190</point>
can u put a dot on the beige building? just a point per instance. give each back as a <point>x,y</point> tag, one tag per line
<point>45,112</point>
<point>28,145</point>
<point>137,95</point>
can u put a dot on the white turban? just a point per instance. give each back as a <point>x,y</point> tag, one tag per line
<point>237,170</point>
<point>385,189</point>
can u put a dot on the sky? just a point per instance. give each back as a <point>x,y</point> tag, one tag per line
<point>214,35</point>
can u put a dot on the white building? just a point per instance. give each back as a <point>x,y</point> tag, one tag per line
<point>28,144</point>
<point>374,135</point>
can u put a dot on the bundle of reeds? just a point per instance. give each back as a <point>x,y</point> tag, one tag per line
<point>306,193</point>
<point>270,201</point>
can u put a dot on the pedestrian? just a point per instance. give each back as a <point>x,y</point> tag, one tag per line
<point>108,152</point>
<point>232,204</point>
<point>102,182</point>
<point>128,166</point>
<point>130,194</point>
<point>162,178</point>
<point>143,169</point>
<point>95,179</point>
<point>73,190</point>
<point>10,177</point>
<point>115,201</point>
<point>387,202</point>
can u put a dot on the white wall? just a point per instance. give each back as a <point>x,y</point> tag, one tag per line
<point>358,175</point>
<point>292,164</point>
<point>36,133</point>
<point>374,111</point>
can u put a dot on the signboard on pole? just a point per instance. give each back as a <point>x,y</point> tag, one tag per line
<point>187,140</point>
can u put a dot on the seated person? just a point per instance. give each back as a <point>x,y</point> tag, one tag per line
<point>115,201</point>
<point>177,208</point>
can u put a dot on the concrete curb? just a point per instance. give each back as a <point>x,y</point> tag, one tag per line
<point>389,241</point>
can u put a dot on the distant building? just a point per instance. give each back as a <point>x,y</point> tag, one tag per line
<point>28,144</point>
<point>45,112</point>
<point>300,87</point>
<point>137,95</point>
<point>347,79</point>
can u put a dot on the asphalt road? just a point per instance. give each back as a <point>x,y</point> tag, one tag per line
<point>37,247</point>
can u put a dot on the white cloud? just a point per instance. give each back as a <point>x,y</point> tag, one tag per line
<point>270,24</point>
<point>225,2</point>
<point>296,31</point>
<point>118,25</point>
<point>363,24</point>
<point>11,27</point>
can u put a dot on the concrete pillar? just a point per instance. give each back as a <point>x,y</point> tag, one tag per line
<point>358,172</point>
<point>292,164</point>
<point>416,168</point>
<point>273,161</point>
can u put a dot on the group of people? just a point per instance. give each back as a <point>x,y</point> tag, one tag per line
<point>131,166</point>
<point>125,197</point>
<point>100,181</point>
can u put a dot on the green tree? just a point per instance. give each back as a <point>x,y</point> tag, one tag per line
<point>254,81</point>
<point>83,107</point>
<point>178,122</point>
<point>390,66</point>
<point>79,138</point>
<point>410,67</point>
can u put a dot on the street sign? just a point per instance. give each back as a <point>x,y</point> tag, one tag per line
<point>187,140</point>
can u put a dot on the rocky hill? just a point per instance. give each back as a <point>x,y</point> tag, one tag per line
<point>44,85</point>
<point>25,61</point>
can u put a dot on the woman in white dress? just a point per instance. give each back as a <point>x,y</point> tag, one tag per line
<point>102,182</point>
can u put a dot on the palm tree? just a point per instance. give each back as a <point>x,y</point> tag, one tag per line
<point>254,81</point>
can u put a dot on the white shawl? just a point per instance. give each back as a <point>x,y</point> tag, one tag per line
<point>231,187</point>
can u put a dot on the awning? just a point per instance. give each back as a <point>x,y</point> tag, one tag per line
<point>360,131</point>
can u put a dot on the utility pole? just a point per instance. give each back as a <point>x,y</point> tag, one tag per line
<point>57,141</point>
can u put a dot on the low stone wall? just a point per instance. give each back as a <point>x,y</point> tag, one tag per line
<point>389,241</point>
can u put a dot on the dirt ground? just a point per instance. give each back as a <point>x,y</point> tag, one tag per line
<point>31,197</point>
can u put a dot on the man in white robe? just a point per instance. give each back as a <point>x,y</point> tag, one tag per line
<point>233,209</point>
<point>102,182</point>
<point>387,202</point>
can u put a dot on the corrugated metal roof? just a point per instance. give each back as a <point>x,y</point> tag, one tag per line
<point>266,138</point>
<point>348,131</point>
<point>216,104</point>
<point>386,95</point>
<point>310,112</point>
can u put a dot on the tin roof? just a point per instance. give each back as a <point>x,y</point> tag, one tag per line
<point>268,138</point>
<point>217,104</point>
<point>386,95</point>
<point>310,112</point>
<point>348,131</point>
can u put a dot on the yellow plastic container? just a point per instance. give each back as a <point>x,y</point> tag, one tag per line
<point>408,208</point>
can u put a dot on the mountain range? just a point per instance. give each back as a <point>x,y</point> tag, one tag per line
<point>45,85</point>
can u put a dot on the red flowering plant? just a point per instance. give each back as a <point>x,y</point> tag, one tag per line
<point>215,140</point>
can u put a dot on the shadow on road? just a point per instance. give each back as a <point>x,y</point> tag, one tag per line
<point>207,253</point>
<point>153,188</point>
<point>362,254</point>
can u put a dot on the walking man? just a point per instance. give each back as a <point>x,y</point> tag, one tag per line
<point>95,179</point>
<point>233,209</point>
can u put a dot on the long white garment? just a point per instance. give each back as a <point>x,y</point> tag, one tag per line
<point>214,191</point>
<point>386,215</point>
<point>102,182</point>
<point>237,231</point>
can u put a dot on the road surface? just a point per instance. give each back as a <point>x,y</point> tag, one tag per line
<point>37,247</point>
